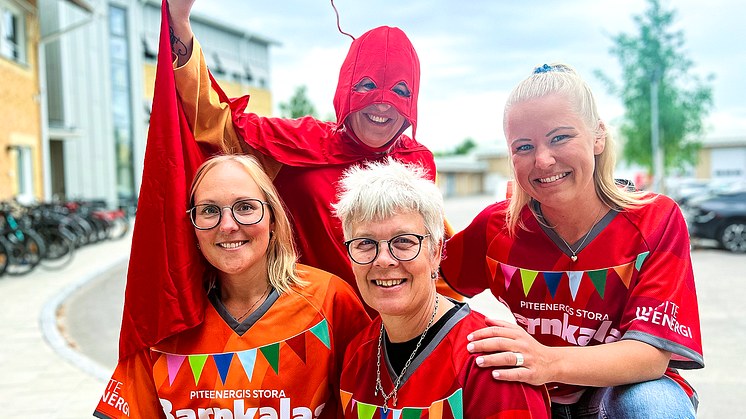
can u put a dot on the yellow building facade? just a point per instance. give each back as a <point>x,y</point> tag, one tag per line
<point>20,135</point>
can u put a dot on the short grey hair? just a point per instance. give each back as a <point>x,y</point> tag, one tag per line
<point>381,189</point>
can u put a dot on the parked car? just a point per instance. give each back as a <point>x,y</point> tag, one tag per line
<point>721,217</point>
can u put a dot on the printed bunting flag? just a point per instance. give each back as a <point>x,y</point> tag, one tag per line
<point>298,345</point>
<point>641,258</point>
<point>223,364</point>
<point>385,413</point>
<point>411,413</point>
<point>436,410</point>
<point>248,360</point>
<point>508,272</point>
<point>197,362</point>
<point>174,364</point>
<point>365,411</point>
<point>598,278</point>
<point>321,331</point>
<point>552,279</point>
<point>395,413</point>
<point>528,277</point>
<point>345,396</point>
<point>492,265</point>
<point>574,277</point>
<point>271,353</point>
<point>456,402</point>
<point>625,273</point>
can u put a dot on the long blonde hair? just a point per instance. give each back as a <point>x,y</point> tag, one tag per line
<point>559,78</point>
<point>281,254</point>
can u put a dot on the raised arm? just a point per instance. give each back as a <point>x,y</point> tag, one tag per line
<point>181,30</point>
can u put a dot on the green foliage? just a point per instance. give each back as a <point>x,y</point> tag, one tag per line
<point>684,99</point>
<point>462,148</point>
<point>299,105</point>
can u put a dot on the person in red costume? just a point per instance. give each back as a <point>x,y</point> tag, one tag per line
<point>375,102</point>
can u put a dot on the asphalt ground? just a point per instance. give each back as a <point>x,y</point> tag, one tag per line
<point>60,329</point>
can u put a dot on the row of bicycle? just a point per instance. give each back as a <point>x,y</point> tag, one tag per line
<point>47,234</point>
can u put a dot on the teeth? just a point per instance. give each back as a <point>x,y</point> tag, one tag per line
<point>231,245</point>
<point>553,178</point>
<point>378,119</point>
<point>389,282</point>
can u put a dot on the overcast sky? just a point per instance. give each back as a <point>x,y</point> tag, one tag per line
<point>473,52</point>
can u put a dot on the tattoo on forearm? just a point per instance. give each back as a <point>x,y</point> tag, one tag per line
<point>177,46</point>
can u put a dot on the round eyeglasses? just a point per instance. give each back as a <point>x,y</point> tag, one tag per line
<point>245,212</point>
<point>403,247</point>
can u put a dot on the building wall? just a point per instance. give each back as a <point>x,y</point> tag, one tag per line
<point>460,184</point>
<point>19,109</point>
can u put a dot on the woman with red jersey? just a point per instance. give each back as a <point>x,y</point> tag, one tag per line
<point>599,280</point>
<point>375,102</point>
<point>274,333</point>
<point>412,361</point>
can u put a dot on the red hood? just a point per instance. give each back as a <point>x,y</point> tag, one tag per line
<point>386,56</point>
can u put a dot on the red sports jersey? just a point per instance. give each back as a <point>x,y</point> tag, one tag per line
<point>633,279</point>
<point>283,361</point>
<point>442,381</point>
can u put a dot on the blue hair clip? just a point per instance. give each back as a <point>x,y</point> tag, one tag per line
<point>543,69</point>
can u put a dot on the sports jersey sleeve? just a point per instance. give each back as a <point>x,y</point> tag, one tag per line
<point>662,309</point>
<point>130,393</point>
<point>485,398</point>
<point>463,267</point>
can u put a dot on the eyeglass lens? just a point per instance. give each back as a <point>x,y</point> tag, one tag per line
<point>248,211</point>
<point>403,247</point>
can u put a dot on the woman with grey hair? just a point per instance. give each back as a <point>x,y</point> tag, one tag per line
<point>599,279</point>
<point>413,357</point>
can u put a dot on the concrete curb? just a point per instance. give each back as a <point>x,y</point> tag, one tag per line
<point>48,323</point>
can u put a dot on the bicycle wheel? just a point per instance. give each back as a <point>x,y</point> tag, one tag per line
<point>5,254</point>
<point>27,253</point>
<point>60,250</point>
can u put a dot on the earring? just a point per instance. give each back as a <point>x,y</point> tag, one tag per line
<point>434,275</point>
<point>198,246</point>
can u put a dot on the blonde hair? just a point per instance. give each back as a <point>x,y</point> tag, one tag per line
<point>379,190</point>
<point>281,254</point>
<point>559,78</point>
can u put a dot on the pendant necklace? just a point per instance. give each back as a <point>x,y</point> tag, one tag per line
<point>238,319</point>
<point>397,383</point>
<point>574,256</point>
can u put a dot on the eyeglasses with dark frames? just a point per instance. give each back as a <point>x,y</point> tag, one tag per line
<point>245,212</point>
<point>404,247</point>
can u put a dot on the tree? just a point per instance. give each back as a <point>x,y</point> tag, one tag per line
<point>656,51</point>
<point>462,148</point>
<point>299,105</point>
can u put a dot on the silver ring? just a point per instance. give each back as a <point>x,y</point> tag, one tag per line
<point>518,359</point>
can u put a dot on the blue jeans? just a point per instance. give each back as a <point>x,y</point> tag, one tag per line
<point>659,399</point>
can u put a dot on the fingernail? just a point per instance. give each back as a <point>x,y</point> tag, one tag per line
<point>480,361</point>
<point>470,337</point>
<point>495,374</point>
<point>470,347</point>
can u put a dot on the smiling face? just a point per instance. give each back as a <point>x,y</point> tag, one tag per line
<point>234,249</point>
<point>553,152</point>
<point>392,287</point>
<point>377,124</point>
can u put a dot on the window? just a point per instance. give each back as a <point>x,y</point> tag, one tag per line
<point>12,33</point>
<point>25,172</point>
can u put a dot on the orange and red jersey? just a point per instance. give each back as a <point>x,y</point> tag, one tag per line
<point>443,381</point>
<point>284,360</point>
<point>633,279</point>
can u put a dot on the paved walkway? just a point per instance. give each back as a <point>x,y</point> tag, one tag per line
<point>41,377</point>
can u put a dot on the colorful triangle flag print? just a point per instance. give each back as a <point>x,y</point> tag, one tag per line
<point>411,413</point>
<point>528,277</point>
<point>552,279</point>
<point>385,413</point>
<point>174,363</point>
<point>223,363</point>
<point>321,331</point>
<point>598,278</point>
<point>625,273</point>
<point>345,396</point>
<point>197,362</point>
<point>248,360</point>
<point>641,258</point>
<point>272,355</point>
<point>365,411</point>
<point>395,413</point>
<point>456,402</point>
<point>574,277</point>
<point>508,272</point>
<point>492,265</point>
<point>436,410</point>
<point>298,345</point>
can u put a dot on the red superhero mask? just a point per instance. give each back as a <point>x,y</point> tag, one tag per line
<point>386,56</point>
